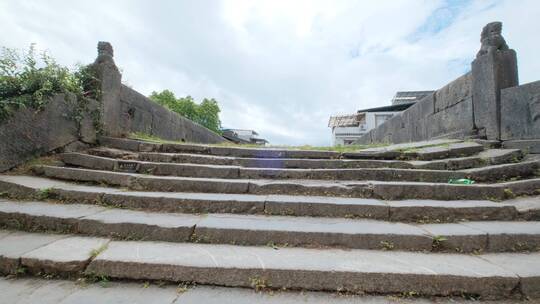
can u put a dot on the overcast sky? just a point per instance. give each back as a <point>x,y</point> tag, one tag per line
<point>280,67</point>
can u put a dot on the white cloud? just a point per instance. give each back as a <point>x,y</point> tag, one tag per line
<point>279,67</point>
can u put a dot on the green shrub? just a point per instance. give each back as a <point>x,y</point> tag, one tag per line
<point>28,80</point>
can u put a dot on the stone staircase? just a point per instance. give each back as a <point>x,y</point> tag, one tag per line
<point>377,221</point>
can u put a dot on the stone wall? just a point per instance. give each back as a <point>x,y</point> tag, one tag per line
<point>29,134</point>
<point>522,104</point>
<point>141,114</point>
<point>126,110</point>
<point>446,112</point>
<point>472,105</point>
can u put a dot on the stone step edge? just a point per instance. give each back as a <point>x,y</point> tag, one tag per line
<point>392,211</point>
<point>249,230</point>
<point>489,276</point>
<point>426,153</point>
<point>466,148</point>
<point>146,146</point>
<point>357,189</point>
<point>483,174</point>
<point>511,155</point>
<point>127,291</point>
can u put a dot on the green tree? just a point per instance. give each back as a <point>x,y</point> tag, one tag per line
<point>165,98</point>
<point>187,107</point>
<point>206,113</point>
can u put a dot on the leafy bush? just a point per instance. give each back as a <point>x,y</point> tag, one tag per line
<point>206,113</point>
<point>27,81</point>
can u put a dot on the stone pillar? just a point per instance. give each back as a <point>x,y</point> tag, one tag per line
<point>494,68</point>
<point>113,120</point>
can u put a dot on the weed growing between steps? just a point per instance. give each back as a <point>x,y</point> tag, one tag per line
<point>260,284</point>
<point>91,278</point>
<point>387,245</point>
<point>43,194</point>
<point>438,242</point>
<point>95,252</point>
<point>26,168</point>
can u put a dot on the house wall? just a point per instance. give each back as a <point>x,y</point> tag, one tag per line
<point>352,133</point>
<point>341,134</point>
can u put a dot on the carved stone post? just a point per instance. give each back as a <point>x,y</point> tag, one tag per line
<point>111,85</point>
<point>494,68</point>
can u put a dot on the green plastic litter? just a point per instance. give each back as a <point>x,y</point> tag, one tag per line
<point>461,181</point>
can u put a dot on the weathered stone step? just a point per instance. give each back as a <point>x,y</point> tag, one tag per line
<point>484,158</point>
<point>144,146</point>
<point>489,173</point>
<point>27,187</point>
<point>411,151</point>
<point>38,253</point>
<point>43,291</point>
<point>359,189</point>
<point>490,276</point>
<point>435,149</point>
<point>360,271</point>
<point>291,163</point>
<point>263,230</point>
<point>487,157</point>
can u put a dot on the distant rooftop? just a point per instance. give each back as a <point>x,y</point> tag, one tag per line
<point>349,120</point>
<point>242,130</point>
<point>392,108</point>
<point>409,96</point>
<point>243,136</point>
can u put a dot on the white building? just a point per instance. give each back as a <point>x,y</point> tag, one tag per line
<point>346,129</point>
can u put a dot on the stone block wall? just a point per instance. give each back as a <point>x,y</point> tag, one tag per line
<point>140,114</point>
<point>29,134</point>
<point>479,103</point>
<point>521,106</point>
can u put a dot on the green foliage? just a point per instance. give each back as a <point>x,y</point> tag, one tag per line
<point>28,79</point>
<point>44,194</point>
<point>206,113</point>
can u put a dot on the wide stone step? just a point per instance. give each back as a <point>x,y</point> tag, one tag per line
<point>269,230</point>
<point>436,150</point>
<point>359,189</point>
<point>484,158</point>
<point>291,163</point>
<point>144,146</point>
<point>28,187</point>
<point>489,173</point>
<point>487,157</point>
<point>38,253</point>
<point>43,291</point>
<point>498,275</point>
